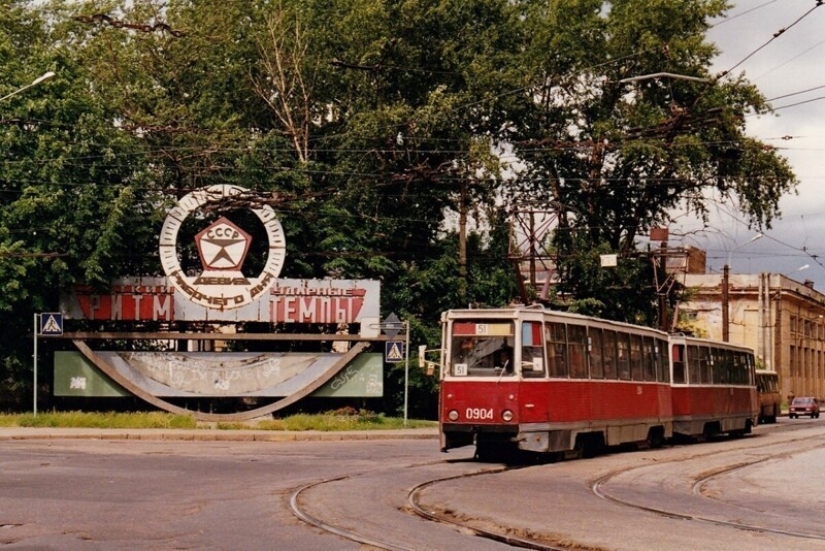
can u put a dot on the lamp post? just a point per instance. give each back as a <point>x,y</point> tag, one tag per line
<point>726,289</point>
<point>805,267</point>
<point>35,82</point>
<point>664,75</point>
<point>45,76</point>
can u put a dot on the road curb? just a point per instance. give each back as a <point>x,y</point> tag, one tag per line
<point>212,435</point>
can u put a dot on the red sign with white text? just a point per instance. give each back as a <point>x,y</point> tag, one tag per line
<point>288,301</point>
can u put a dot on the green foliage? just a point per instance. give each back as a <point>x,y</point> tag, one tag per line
<point>339,420</point>
<point>616,158</point>
<point>109,420</point>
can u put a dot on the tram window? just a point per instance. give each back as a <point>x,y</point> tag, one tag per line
<point>623,348</point>
<point>679,372</point>
<point>694,375</point>
<point>711,370</point>
<point>636,358</point>
<point>649,359</point>
<point>532,351</point>
<point>664,365</point>
<point>556,350</point>
<point>711,373</point>
<point>741,369</point>
<point>596,359</point>
<point>732,373</point>
<point>577,351</point>
<point>475,348</point>
<point>610,355</point>
<point>698,364</point>
<point>725,368</point>
<point>738,368</point>
<point>705,364</point>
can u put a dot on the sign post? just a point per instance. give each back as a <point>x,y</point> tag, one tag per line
<point>51,323</point>
<point>392,326</point>
<point>34,367</point>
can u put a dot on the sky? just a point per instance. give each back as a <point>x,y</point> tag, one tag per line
<point>790,63</point>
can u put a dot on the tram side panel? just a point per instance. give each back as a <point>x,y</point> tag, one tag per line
<point>714,388</point>
<point>629,411</point>
<point>701,410</point>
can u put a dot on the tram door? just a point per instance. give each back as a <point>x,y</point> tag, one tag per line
<point>533,367</point>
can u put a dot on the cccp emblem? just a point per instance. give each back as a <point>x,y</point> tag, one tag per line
<point>222,247</point>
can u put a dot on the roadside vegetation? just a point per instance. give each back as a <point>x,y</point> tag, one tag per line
<point>339,420</point>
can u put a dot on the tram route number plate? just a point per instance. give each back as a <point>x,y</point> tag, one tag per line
<point>460,370</point>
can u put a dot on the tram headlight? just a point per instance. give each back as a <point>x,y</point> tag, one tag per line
<point>453,415</point>
<point>507,415</point>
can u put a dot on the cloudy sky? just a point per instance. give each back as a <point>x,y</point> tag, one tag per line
<point>789,68</point>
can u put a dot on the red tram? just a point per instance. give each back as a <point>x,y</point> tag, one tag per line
<point>533,379</point>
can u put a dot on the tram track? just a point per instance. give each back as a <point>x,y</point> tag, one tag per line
<point>303,515</point>
<point>300,510</point>
<point>414,506</point>
<point>599,488</point>
<point>413,500</point>
<point>713,465</point>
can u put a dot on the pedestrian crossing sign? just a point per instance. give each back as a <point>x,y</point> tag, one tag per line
<point>51,323</point>
<point>394,351</point>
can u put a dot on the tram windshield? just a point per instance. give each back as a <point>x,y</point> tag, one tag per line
<point>483,349</point>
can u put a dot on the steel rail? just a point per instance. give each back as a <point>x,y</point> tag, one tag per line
<point>413,500</point>
<point>597,488</point>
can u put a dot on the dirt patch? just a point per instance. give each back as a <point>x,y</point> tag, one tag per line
<point>487,525</point>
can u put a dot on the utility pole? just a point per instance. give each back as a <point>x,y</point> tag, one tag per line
<point>663,320</point>
<point>462,242</point>
<point>530,230</point>
<point>725,303</point>
<point>726,289</point>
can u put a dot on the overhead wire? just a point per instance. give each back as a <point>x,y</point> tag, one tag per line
<point>794,58</point>
<point>732,17</point>
<point>775,36</point>
<point>804,250</point>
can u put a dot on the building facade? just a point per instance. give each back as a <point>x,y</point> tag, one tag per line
<point>782,320</point>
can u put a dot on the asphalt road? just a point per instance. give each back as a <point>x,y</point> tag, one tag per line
<point>171,490</point>
<point>151,494</point>
<point>686,497</point>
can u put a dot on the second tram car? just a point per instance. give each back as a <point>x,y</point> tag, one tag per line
<point>537,380</point>
<point>713,387</point>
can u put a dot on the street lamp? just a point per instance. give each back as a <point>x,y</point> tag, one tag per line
<point>668,75</point>
<point>726,288</point>
<point>805,267</point>
<point>35,82</point>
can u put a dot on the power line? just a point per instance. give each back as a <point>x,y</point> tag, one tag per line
<point>732,17</point>
<point>776,35</point>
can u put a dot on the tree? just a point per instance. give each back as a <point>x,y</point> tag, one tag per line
<point>618,156</point>
<point>370,126</point>
<point>69,209</point>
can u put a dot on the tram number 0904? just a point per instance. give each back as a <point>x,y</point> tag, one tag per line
<point>479,413</point>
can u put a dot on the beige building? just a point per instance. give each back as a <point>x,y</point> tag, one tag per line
<point>782,320</point>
